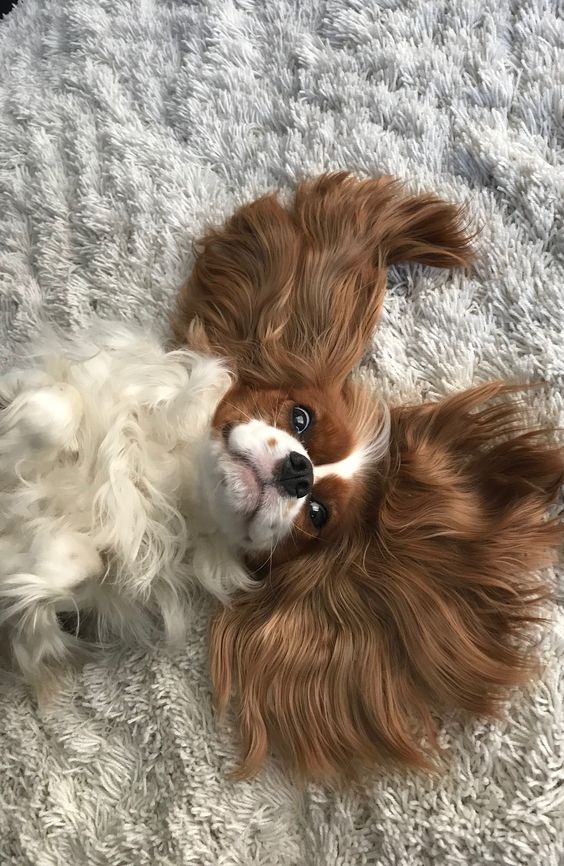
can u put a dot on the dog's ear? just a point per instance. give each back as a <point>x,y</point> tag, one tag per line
<point>462,531</point>
<point>237,301</point>
<point>350,231</point>
<point>376,219</point>
<point>316,680</point>
<point>294,293</point>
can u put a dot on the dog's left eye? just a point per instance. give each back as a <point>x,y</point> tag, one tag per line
<point>318,514</point>
<point>301,419</point>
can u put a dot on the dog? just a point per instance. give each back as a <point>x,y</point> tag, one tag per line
<point>369,563</point>
<point>405,579</point>
<point>129,470</point>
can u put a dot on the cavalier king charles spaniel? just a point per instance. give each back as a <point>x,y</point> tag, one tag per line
<point>375,564</point>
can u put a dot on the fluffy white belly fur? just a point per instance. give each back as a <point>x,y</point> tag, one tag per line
<point>101,439</point>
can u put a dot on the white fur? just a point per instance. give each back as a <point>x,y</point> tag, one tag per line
<point>102,444</point>
<point>273,513</point>
<point>346,468</point>
<point>363,456</point>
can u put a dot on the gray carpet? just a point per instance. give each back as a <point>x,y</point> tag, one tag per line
<point>125,125</point>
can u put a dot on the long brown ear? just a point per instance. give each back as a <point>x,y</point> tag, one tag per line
<point>340,660</point>
<point>377,220</point>
<point>294,293</point>
<point>317,680</point>
<point>237,301</point>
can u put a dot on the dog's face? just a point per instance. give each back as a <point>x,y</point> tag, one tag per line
<point>290,466</point>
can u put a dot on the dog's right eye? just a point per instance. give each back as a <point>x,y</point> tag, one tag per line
<point>317,514</point>
<point>301,419</point>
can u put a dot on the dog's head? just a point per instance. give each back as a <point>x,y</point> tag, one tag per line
<point>291,466</point>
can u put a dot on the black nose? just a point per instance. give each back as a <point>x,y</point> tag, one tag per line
<point>295,475</point>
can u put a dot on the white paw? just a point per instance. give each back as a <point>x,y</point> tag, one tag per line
<point>218,570</point>
<point>64,559</point>
<point>39,419</point>
<point>14,382</point>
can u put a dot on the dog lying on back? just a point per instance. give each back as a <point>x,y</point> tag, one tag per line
<point>379,562</point>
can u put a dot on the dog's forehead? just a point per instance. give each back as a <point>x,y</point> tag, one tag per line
<point>331,442</point>
<point>347,468</point>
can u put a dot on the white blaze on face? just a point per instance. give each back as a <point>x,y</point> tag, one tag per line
<point>263,445</point>
<point>250,490</point>
<point>346,468</point>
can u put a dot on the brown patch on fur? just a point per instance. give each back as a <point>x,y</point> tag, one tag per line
<point>293,294</point>
<point>423,601</point>
<point>330,436</point>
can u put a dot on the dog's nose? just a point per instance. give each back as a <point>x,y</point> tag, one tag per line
<point>295,475</point>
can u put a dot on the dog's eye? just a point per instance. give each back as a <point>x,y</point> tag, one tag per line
<point>301,419</point>
<point>317,514</point>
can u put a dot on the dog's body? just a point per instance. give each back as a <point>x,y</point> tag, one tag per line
<point>103,440</point>
<point>393,553</point>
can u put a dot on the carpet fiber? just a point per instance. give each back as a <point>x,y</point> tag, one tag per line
<point>125,125</point>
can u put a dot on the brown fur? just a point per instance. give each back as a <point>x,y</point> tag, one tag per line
<point>293,294</point>
<point>419,593</point>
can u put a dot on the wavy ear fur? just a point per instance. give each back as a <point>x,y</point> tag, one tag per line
<point>294,293</point>
<point>341,658</point>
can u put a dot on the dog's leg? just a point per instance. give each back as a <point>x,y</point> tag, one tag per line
<point>15,381</point>
<point>58,566</point>
<point>39,421</point>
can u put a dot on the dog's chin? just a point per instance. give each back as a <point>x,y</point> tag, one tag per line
<point>244,489</point>
<point>251,508</point>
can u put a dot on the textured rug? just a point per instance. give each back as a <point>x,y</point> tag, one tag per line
<point>125,125</point>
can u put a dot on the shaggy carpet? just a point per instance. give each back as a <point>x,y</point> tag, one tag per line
<point>125,126</point>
